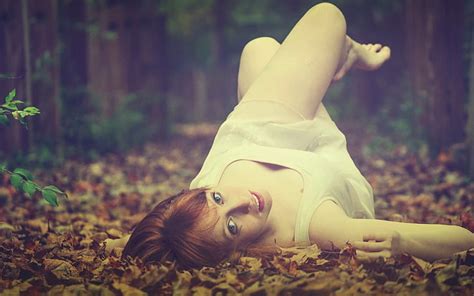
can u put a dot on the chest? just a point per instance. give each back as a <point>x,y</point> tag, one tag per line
<point>275,178</point>
<point>285,185</point>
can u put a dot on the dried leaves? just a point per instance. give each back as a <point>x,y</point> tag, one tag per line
<point>63,251</point>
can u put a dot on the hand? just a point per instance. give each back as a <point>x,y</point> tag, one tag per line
<point>381,244</point>
<point>110,244</point>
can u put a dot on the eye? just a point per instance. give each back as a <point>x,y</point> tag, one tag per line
<point>232,227</point>
<point>217,197</point>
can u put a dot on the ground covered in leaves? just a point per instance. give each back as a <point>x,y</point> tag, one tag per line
<point>56,251</point>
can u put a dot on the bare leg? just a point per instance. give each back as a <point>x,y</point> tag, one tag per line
<point>301,69</point>
<point>258,52</point>
<point>255,56</point>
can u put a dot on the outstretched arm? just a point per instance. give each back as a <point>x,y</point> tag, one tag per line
<point>426,241</point>
<point>372,238</point>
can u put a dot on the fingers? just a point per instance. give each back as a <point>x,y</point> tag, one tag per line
<point>380,236</point>
<point>371,256</point>
<point>375,236</point>
<point>371,246</point>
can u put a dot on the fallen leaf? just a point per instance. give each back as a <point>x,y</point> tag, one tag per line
<point>61,269</point>
<point>127,290</point>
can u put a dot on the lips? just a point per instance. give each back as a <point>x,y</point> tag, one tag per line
<point>260,202</point>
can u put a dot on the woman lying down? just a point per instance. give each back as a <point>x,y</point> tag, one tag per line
<point>279,173</point>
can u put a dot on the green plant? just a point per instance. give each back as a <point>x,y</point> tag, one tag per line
<point>20,178</point>
<point>10,107</point>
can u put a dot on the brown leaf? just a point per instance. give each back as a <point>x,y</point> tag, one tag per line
<point>422,265</point>
<point>38,224</point>
<point>302,254</point>
<point>293,268</point>
<point>61,269</point>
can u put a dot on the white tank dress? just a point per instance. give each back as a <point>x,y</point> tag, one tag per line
<point>315,148</point>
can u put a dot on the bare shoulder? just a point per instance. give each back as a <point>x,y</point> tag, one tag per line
<point>328,210</point>
<point>328,226</point>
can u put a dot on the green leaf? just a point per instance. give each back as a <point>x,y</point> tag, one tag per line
<point>24,173</point>
<point>10,107</point>
<point>10,96</point>
<point>31,110</point>
<point>17,181</point>
<point>54,189</point>
<point>50,197</point>
<point>29,188</point>
<point>3,166</point>
<point>16,102</point>
<point>22,114</point>
<point>3,119</point>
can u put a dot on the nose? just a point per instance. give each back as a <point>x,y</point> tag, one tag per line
<point>239,203</point>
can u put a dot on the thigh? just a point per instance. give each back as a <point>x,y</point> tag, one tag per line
<point>255,56</point>
<point>300,72</point>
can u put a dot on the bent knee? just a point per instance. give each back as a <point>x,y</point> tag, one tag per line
<point>328,12</point>
<point>260,44</point>
<point>326,8</point>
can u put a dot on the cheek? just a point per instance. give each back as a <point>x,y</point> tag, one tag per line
<point>252,225</point>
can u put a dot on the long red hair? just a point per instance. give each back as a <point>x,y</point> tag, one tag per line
<point>173,230</point>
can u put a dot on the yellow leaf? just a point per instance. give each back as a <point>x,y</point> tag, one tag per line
<point>38,224</point>
<point>127,290</point>
<point>302,254</point>
<point>253,263</point>
<point>201,291</point>
<point>114,233</point>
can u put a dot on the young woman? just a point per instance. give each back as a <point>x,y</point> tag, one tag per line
<point>278,173</point>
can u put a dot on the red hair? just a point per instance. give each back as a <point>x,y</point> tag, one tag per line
<point>173,230</point>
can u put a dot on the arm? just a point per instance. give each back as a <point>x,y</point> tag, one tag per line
<point>331,227</point>
<point>426,241</point>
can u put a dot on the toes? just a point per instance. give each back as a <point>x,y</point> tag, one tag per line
<point>376,47</point>
<point>386,51</point>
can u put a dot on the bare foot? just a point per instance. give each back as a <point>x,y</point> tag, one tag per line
<point>362,56</point>
<point>371,56</point>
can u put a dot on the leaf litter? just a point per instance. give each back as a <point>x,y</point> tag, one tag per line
<point>62,251</point>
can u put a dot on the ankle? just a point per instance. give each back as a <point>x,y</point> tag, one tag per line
<point>358,51</point>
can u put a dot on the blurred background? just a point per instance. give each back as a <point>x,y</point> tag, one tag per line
<point>111,75</point>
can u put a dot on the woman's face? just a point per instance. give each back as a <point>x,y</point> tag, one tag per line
<point>241,212</point>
